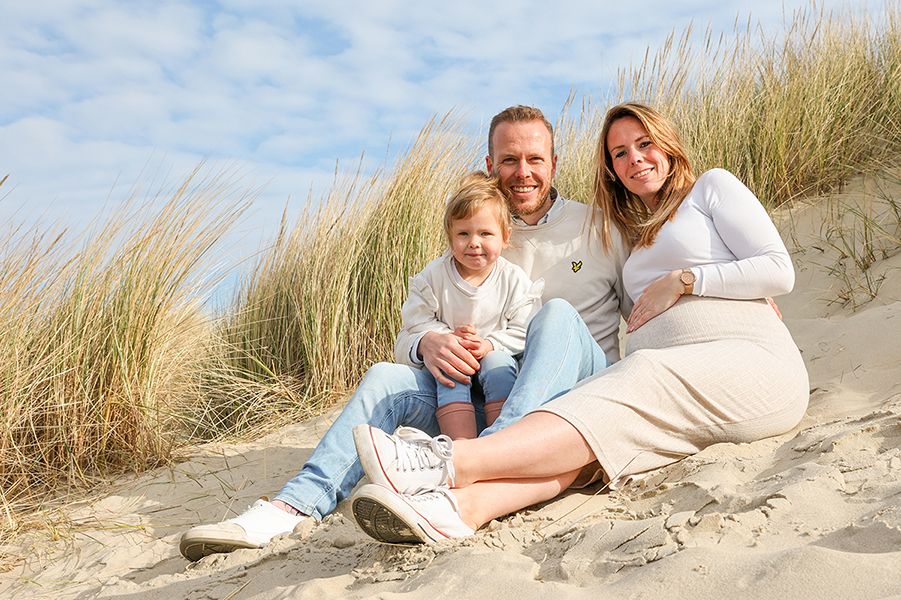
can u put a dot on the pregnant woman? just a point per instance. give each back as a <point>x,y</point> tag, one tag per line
<point>707,359</point>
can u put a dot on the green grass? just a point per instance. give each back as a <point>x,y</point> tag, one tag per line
<point>109,363</point>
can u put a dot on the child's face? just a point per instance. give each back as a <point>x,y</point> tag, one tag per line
<point>477,241</point>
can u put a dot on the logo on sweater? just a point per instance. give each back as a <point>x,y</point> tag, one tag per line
<point>577,266</point>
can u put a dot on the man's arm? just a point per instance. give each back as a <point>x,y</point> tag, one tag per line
<point>448,356</point>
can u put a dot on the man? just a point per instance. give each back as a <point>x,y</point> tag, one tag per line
<point>551,239</point>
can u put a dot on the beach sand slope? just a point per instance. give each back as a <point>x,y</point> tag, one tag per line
<point>814,513</point>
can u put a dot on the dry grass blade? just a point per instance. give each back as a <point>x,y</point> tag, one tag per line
<point>323,303</point>
<point>100,341</point>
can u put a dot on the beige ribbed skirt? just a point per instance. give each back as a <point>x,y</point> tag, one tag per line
<point>707,370</point>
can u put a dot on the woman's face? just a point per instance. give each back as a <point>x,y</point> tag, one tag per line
<point>638,162</point>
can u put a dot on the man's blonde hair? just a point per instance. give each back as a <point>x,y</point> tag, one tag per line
<point>518,114</point>
<point>476,191</point>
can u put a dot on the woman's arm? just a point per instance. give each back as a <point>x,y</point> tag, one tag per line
<point>763,266</point>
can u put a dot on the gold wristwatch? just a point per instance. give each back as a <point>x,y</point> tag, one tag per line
<point>688,281</point>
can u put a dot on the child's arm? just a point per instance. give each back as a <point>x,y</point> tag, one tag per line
<point>419,316</point>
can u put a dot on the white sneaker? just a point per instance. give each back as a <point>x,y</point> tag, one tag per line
<point>394,518</point>
<point>253,528</point>
<point>407,462</point>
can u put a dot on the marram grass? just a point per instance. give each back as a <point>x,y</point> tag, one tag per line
<point>100,340</point>
<point>109,362</point>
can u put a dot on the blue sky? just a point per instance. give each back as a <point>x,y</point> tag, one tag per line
<point>99,96</point>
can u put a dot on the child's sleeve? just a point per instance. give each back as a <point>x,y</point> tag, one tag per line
<point>524,302</point>
<point>420,315</point>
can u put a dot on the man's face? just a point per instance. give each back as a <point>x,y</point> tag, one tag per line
<point>525,166</point>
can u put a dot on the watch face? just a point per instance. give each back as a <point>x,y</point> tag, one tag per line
<point>687,277</point>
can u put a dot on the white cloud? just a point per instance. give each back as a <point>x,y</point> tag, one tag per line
<point>100,90</point>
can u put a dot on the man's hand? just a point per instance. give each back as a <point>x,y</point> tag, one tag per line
<point>448,357</point>
<point>655,299</point>
<point>478,345</point>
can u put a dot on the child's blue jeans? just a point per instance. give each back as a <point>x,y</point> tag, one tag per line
<point>496,376</point>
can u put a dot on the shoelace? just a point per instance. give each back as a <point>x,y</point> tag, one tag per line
<point>423,497</point>
<point>423,454</point>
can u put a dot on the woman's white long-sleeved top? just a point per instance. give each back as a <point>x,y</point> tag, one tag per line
<point>440,300</point>
<point>725,236</point>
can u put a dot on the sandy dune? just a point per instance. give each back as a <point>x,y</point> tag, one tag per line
<point>815,513</point>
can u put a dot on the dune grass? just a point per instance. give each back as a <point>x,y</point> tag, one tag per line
<point>108,360</point>
<point>792,114</point>
<point>100,338</point>
<point>324,302</point>
<point>857,234</point>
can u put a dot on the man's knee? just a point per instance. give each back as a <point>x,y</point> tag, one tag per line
<point>386,378</point>
<point>382,369</point>
<point>555,310</point>
<point>558,307</point>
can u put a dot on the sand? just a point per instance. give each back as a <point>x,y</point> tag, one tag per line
<point>814,513</point>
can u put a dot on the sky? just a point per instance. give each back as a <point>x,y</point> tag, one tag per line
<point>100,96</point>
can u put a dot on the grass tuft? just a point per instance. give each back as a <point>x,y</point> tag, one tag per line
<point>99,339</point>
<point>108,361</point>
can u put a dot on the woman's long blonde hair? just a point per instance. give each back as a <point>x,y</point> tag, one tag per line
<point>638,224</point>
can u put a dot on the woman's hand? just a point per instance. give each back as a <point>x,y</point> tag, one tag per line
<point>473,342</point>
<point>774,306</point>
<point>656,298</point>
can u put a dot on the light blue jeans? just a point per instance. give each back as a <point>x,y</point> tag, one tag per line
<point>559,353</point>
<point>496,376</point>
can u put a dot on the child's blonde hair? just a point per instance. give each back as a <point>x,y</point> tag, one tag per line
<point>476,191</point>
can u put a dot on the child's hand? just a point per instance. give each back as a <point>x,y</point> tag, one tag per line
<point>484,348</point>
<point>473,342</point>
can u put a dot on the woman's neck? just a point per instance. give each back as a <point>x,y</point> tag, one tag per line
<point>651,202</point>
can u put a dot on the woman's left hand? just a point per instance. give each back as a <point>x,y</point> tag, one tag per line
<point>656,298</point>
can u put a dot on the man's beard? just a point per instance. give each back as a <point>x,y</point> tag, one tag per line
<point>525,211</point>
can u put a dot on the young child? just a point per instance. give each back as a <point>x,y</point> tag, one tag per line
<point>474,293</point>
